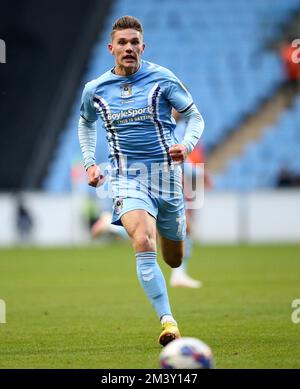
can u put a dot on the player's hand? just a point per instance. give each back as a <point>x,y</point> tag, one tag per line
<point>178,153</point>
<point>95,178</point>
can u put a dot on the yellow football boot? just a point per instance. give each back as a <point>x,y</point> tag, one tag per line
<point>170,332</point>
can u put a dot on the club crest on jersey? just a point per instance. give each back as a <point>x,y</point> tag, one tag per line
<point>118,206</point>
<point>126,90</point>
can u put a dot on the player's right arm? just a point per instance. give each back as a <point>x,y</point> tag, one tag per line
<point>87,133</point>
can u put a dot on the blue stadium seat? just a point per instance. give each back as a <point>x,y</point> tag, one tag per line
<point>261,161</point>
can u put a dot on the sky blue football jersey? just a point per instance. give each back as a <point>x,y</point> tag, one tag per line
<point>136,112</point>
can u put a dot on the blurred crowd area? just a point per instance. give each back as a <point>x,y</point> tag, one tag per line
<point>240,61</point>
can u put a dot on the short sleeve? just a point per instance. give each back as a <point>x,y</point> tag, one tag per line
<point>87,109</point>
<point>178,96</point>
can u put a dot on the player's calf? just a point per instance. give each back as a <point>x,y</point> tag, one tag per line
<point>172,251</point>
<point>172,261</point>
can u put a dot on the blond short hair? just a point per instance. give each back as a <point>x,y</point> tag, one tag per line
<point>127,22</point>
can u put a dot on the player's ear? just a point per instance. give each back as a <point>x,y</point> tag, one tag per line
<point>143,49</point>
<point>110,48</point>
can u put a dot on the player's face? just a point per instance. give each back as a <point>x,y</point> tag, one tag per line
<point>127,47</point>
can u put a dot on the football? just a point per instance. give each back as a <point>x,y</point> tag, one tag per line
<point>186,353</point>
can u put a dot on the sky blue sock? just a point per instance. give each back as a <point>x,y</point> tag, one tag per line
<point>153,282</point>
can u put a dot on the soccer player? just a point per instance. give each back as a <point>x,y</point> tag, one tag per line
<point>134,101</point>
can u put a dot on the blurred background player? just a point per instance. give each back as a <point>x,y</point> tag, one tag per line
<point>179,276</point>
<point>24,220</point>
<point>102,227</point>
<point>291,65</point>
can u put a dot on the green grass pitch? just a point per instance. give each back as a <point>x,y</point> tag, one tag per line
<point>83,307</point>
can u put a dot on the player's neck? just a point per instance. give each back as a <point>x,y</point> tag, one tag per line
<point>122,71</point>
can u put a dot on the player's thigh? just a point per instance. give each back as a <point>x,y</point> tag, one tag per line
<point>139,220</point>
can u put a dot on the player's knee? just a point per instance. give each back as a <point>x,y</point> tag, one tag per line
<point>144,242</point>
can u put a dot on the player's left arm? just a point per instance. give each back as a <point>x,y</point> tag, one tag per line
<point>180,99</point>
<point>193,132</point>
